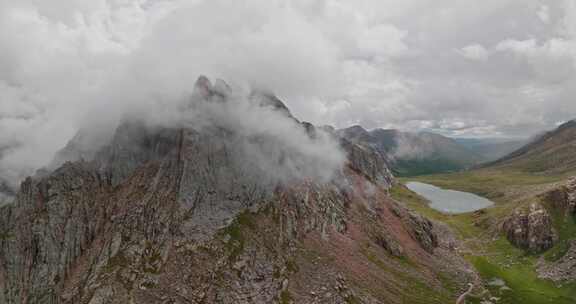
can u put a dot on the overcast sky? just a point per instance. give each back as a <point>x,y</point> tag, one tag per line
<point>460,67</point>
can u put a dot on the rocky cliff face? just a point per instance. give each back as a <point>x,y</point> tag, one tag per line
<point>530,229</point>
<point>571,197</point>
<point>562,264</point>
<point>186,215</point>
<point>563,198</point>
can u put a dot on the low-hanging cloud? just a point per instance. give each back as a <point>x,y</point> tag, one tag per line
<point>86,66</point>
<point>267,138</point>
<point>499,68</point>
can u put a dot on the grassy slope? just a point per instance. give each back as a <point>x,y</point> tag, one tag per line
<point>494,256</point>
<point>425,166</point>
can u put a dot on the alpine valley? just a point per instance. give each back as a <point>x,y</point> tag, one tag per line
<point>212,207</point>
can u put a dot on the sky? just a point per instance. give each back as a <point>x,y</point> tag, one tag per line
<point>465,68</point>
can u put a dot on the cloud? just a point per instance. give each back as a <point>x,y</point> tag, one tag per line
<point>474,52</point>
<point>87,65</point>
<point>544,14</point>
<point>269,142</point>
<point>388,63</point>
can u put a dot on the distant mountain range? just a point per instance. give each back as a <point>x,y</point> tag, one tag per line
<point>553,152</point>
<point>426,153</point>
<point>492,148</point>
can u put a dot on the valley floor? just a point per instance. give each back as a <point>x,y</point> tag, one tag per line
<point>508,273</point>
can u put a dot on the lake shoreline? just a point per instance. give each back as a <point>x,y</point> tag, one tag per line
<point>449,201</point>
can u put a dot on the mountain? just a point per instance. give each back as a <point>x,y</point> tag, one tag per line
<point>6,192</point>
<point>491,149</point>
<point>237,202</point>
<point>415,153</point>
<point>551,153</point>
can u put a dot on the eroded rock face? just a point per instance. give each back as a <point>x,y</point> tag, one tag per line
<point>563,198</point>
<point>530,229</point>
<point>49,226</point>
<point>177,215</point>
<point>368,162</point>
<point>571,196</point>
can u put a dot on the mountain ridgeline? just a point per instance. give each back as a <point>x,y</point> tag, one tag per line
<point>221,207</point>
<point>492,149</point>
<point>550,153</point>
<point>528,238</point>
<point>416,153</point>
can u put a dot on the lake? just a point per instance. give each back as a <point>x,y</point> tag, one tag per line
<point>449,201</point>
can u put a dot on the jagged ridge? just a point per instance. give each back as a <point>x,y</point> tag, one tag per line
<point>177,215</point>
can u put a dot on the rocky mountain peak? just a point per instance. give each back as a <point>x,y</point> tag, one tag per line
<point>205,90</point>
<point>203,86</point>
<point>354,131</point>
<point>269,100</point>
<point>179,214</point>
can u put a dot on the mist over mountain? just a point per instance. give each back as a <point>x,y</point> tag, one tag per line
<point>416,153</point>
<point>549,153</point>
<point>227,202</point>
<point>336,152</point>
<point>492,148</point>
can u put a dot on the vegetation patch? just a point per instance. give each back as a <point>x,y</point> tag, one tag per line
<point>117,261</point>
<point>518,283</point>
<point>236,242</point>
<point>413,289</point>
<point>285,297</point>
<point>415,167</point>
<point>491,183</point>
<point>6,236</point>
<point>291,266</point>
<point>508,272</point>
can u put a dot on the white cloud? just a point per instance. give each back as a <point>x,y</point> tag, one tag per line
<point>544,13</point>
<point>382,63</point>
<point>474,52</point>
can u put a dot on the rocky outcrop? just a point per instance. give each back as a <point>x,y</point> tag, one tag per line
<point>424,231</point>
<point>49,226</point>
<point>368,162</point>
<point>563,198</point>
<point>564,269</point>
<point>185,215</point>
<point>571,196</point>
<point>530,229</point>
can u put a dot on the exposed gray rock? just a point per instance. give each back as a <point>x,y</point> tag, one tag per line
<point>181,215</point>
<point>530,229</point>
<point>571,196</point>
<point>563,197</point>
<point>368,162</point>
